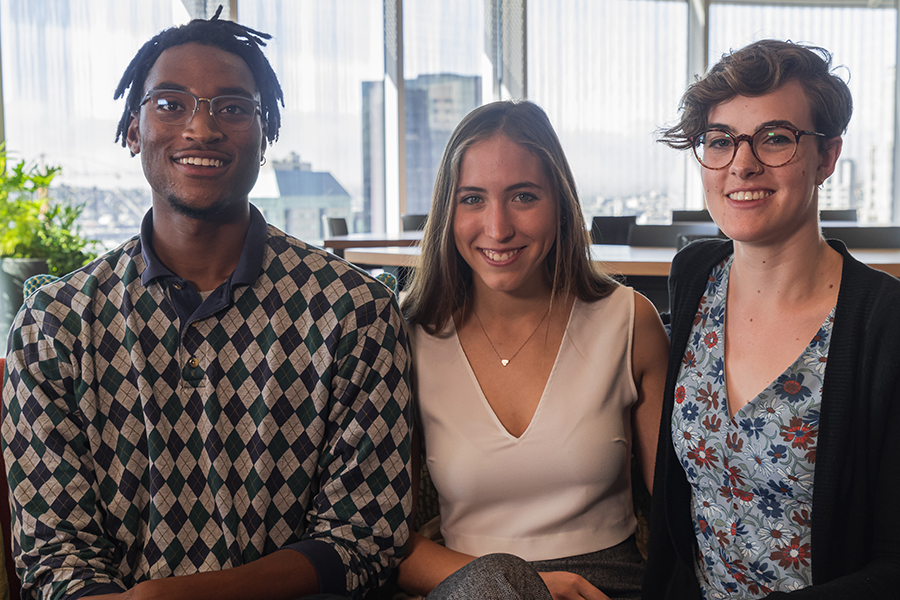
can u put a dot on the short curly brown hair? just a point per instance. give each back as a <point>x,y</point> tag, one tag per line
<point>756,70</point>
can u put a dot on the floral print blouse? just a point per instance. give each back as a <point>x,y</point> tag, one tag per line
<point>751,475</point>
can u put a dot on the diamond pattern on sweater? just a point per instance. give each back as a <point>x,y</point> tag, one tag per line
<point>128,461</point>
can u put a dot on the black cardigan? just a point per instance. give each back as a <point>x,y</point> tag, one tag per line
<point>855,514</point>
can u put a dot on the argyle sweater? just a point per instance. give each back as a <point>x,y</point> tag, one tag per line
<point>140,446</point>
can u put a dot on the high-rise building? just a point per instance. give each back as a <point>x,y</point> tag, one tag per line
<point>435,104</point>
<point>306,196</point>
<point>372,216</point>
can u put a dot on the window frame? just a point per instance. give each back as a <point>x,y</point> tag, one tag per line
<point>508,42</point>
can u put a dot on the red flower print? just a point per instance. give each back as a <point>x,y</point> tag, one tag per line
<point>754,588</point>
<point>735,568</point>
<point>728,493</point>
<point>734,442</point>
<point>702,311</point>
<point>722,537</point>
<point>703,456</point>
<point>712,422</point>
<point>801,518</point>
<point>798,433</point>
<point>811,456</point>
<point>708,397</point>
<point>711,339</point>
<point>703,526</point>
<point>734,473</point>
<point>743,495</point>
<point>793,555</point>
<point>679,394</point>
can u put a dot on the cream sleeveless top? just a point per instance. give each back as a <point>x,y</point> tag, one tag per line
<point>564,487</point>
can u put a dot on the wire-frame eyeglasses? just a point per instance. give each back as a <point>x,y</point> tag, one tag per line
<point>176,107</point>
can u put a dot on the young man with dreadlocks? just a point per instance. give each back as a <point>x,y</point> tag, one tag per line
<point>214,409</point>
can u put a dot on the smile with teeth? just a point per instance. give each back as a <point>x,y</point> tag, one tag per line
<point>200,162</point>
<point>750,195</point>
<point>500,256</point>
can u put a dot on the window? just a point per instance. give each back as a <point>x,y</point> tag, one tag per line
<point>373,89</point>
<point>445,70</point>
<point>58,99</point>
<point>863,42</point>
<point>609,74</point>
<point>329,58</point>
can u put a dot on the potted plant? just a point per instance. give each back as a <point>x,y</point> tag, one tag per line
<point>37,234</point>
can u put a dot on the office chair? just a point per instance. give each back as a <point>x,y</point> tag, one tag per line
<point>611,230</point>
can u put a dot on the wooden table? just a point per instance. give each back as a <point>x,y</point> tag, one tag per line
<point>883,260</point>
<point>621,260</point>
<point>339,243</point>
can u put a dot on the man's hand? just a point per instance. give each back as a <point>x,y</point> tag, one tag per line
<point>282,575</point>
<point>569,586</point>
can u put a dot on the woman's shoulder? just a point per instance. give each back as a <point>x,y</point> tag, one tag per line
<point>701,256</point>
<point>620,299</point>
<point>862,283</point>
<point>425,345</point>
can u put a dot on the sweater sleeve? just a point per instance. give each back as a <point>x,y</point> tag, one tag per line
<point>357,524</point>
<point>856,533</point>
<point>58,537</point>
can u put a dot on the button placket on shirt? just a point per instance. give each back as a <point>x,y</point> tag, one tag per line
<point>193,371</point>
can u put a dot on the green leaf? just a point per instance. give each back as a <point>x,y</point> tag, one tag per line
<point>34,225</point>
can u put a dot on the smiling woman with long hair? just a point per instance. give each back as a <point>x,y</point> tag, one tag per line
<point>536,377</point>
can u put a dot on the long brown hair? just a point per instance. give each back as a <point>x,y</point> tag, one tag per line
<point>443,279</point>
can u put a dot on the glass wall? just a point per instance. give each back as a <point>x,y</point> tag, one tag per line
<point>609,74</point>
<point>863,42</point>
<point>58,99</point>
<point>329,57</point>
<point>445,71</point>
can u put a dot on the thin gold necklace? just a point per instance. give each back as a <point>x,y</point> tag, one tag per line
<point>505,361</point>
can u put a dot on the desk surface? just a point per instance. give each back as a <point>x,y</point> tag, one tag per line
<point>368,240</point>
<point>622,260</point>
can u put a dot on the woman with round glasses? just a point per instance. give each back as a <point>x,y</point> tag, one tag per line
<point>536,377</point>
<point>780,441</point>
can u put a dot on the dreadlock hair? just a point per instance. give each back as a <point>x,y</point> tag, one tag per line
<point>224,34</point>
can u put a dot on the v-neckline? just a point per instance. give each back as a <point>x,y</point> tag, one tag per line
<point>768,386</point>
<point>541,401</point>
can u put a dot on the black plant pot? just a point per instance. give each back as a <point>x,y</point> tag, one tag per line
<point>13,273</point>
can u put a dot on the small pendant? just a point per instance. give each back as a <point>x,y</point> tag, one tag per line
<point>504,361</point>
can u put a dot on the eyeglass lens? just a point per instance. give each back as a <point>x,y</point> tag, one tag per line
<point>176,108</point>
<point>773,147</point>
